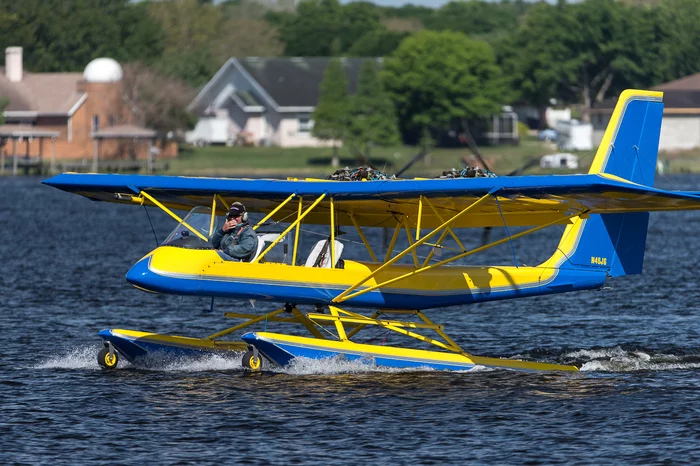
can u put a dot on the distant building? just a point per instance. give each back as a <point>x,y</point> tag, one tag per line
<point>264,101</point>
<point>680,127</point>
<point>562,161</point>
<point>83,112</point>
<point>574,135</point>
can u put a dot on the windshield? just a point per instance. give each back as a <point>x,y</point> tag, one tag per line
<point>199,219</point>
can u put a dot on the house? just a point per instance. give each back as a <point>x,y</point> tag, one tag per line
<point>680,127</point>
<point>562,160</point>
<point>265,101</point>
<point>81,116</point>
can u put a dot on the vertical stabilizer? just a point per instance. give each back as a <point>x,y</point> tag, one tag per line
<point>630,145</point>
<point>615,242</point>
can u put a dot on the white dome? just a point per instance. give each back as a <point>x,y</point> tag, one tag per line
<point>103,70</point>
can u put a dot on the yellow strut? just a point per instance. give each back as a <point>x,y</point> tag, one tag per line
<point>392,243</point>
<point>244,324</point>
<point>479,201</point>
<point>437,214</point>
<point>289,228</point>
<point>332,245</point>
<point>261,222</point>
<point>420,215</point>
<point>223,201</point>
<point>341,298</point>
<point>410,241</point>
<point>362,236</point>
<point>173,215</point>
<point>296,234</point>
<point>213,216</point>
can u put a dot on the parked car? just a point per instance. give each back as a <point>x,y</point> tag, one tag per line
<point>547,135</point>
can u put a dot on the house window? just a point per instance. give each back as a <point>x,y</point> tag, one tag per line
<point>305,124</point>
<point>95,123</point>
<point>111,120</point>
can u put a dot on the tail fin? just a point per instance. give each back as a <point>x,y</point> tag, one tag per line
<point>631,141</point>
<point>616,242</point>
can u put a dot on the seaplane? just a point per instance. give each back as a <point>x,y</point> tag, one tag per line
<point>332,301</point>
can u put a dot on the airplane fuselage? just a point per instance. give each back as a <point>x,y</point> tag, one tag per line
<point>205,273</point>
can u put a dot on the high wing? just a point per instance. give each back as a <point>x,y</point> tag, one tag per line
<point>619,181</point>
<point>517,201</point>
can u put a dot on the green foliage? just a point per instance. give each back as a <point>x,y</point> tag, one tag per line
<point>476,18</point>
<point>678,22</point>
<point>317,25</point>
<point>4,102</point>
<point>582,53</point>
<point>372,115</point>
<point>332,112</point>
<point>200,37</point>
<point>377,43</point>
<point>64,35</point>
<point>523,130</point>
<point>436,79</point>
<point>408,11</point>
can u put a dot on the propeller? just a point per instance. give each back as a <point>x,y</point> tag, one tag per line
<point>466,137</point>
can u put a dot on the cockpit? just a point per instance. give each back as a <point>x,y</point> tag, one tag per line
<point>195,230</point>
<point>197,227</point>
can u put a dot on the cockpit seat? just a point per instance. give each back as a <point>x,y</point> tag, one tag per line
<point>321,254</point>
<point>264,240</point>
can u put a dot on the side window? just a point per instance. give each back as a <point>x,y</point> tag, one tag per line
<point>95,123</point>
<point>305,123</point>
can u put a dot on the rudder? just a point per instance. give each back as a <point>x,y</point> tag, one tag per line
<point>629,148</point>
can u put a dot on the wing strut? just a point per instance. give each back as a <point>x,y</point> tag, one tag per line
<point>344,296</point>
<point>413,246</point>
<point>289,228</point>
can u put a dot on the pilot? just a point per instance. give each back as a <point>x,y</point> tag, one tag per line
<point>236,238</point>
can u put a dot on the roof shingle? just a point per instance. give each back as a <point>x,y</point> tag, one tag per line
<point>42,92</point>
<point>294,82</point>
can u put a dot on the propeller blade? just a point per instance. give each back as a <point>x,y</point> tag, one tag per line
<point>472,145</point>
<point>419,156</point>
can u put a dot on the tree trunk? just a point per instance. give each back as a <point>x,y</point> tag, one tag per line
<point>335,161</point>
<point>604,87</point>
<point>586,115</point>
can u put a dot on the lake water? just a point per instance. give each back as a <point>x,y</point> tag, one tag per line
<point>63,260</point>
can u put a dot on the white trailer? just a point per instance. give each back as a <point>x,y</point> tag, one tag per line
<point>211,130</point>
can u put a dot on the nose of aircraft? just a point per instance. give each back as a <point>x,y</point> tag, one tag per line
<point>141,277</point>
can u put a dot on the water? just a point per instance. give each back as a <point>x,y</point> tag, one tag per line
<point>63,259</point>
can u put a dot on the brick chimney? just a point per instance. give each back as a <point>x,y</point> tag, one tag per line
<point>13,64</point>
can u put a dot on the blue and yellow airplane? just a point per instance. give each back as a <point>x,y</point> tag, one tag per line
<point>605,216</point>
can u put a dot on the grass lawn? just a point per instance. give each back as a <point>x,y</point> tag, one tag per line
<point>277,162</point>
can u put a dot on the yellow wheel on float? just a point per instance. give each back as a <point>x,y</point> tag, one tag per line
<point>107,360</point>
<point>251,362</point>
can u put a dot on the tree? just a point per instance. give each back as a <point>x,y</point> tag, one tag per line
<point>583,53</point>
<point>377,43</point>
<point>200,37</point>
<point>64,35</point>
<point>679,21</point>
<point>332,112</point>
<point>157,101</point>
<point>322,28</point>
<point>439,79</point>
<point>476,18</point>
<point>372,114</point>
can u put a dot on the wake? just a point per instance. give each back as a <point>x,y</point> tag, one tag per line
<point>613,359</point>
